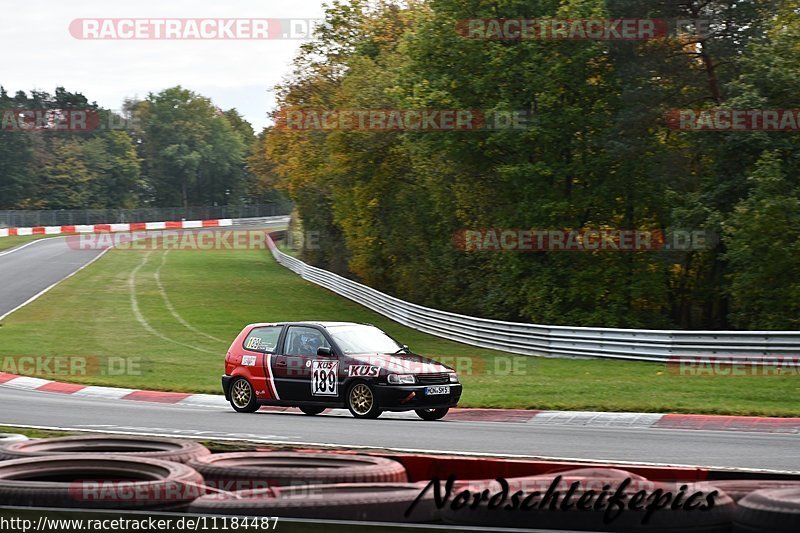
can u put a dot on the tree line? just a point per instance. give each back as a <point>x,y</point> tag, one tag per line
<point>173,148</point>
<point>599,153</point>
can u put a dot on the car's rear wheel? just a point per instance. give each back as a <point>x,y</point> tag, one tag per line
<point>432,414</point>
<point>312,410</point>
<point>243,398</point>
<point>362,402</point>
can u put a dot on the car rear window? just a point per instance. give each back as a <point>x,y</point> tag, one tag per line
<point>263,339</point>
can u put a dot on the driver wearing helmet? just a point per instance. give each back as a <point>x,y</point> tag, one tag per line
<point>310,344</point>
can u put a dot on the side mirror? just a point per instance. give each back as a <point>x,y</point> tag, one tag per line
<point>324,351</point>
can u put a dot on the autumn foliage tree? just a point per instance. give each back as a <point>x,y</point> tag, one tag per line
<point>598,154</point>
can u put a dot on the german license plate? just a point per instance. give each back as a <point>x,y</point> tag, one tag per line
<point>430,391</point>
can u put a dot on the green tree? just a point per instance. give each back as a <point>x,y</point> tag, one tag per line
<point>763,241</point>
<point>16,160</point>
<point>112,160</point>
<point>63,177</point>
<point>192,154</point>
<point>598,154</point>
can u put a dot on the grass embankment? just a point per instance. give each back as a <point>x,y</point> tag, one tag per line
<point>115,308</point>
<point>36,433</point>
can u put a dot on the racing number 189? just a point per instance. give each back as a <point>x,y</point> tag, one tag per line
<point>324,379</point>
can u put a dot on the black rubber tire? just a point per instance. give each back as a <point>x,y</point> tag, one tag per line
<point>359,412</point>
<point>295,468</point>
<point>165,449</point>
<point>772,510</point>
<point>598,472</point>
<point>739,488</point>
<point>95,481</point>
<point>432,414</point>
<point>240,406</point>
<point>374,502</point>
<point>311,411</point>
<point>718,519</point>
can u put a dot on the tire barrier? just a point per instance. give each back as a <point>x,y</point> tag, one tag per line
<point>602,473</point>
<point>107,472</point>
<point>166,449</point>
<point>377,502</point>
<point>8,438</point>
<point>739,488</point>
<point>768,511</point>
<point>293,468</point>
<point>589,478</point>
<point>97,481</point>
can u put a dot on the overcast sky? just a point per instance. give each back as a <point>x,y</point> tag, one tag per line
<point>39,52</point>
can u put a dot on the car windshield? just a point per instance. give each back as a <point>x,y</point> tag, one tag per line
<point>363,339</point>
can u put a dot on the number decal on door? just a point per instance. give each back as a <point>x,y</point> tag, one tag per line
<point>324,378</point>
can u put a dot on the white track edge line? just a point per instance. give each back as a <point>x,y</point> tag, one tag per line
<point>42,292</point>
<point>21,246</point>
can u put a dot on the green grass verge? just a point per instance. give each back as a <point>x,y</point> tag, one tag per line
<point>32,433</point>
<point>216,293</point>
<point>6,243</point>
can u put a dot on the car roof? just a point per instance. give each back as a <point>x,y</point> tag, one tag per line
<point>323,323</point>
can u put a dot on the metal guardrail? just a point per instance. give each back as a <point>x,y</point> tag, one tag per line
<point>555,341</point>
<point>280,220</point>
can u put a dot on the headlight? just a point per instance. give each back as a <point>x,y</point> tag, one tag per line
<point>402,379</point>
<point>453,378</point>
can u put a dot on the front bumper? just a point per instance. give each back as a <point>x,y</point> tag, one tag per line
<point>407,397</point>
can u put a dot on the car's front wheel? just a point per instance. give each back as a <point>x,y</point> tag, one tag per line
<point>362,402</point>
<point>431,414</point>
<point>243,398</point>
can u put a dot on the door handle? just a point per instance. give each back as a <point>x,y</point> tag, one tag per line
<point>280,362</point>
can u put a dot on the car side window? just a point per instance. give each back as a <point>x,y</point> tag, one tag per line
<point>304,341</point>
<point>263,339</point>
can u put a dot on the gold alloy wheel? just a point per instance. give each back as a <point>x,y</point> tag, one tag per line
<point>241,393</point>
<point>361,399</point>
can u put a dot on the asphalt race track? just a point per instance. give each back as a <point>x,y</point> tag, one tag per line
<point>27,271</point>
<point>685,447</point>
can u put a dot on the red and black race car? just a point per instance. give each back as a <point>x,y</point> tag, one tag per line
<point>319,365</point>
